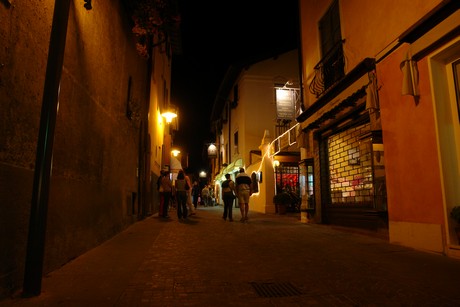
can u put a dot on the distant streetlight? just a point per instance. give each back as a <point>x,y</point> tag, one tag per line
<point>212,151</point>
<point>175,152</point>
<point>202,174</point>
<point>169,116</point>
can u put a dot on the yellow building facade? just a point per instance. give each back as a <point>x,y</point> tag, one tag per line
<point>381,117</point>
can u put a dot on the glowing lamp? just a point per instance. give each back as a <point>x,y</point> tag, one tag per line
<point>169,116</point>
<point>175,152</point>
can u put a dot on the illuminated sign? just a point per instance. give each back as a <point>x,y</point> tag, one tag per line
<point>285,103</point>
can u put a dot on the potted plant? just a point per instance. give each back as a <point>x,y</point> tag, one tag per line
<point>455,215</point>
<point>282,201</point>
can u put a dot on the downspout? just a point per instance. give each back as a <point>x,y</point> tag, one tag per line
<point>229,108</point>
<point>43,164</point>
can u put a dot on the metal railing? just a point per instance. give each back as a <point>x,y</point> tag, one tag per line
<point>329,70</point>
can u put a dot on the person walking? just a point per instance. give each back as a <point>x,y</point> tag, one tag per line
<point>205,195</point>
<point>188,190</point>
<point>166,187</point>
<point>228,195</point>
<point>181,196</point>
<point>243,189</point>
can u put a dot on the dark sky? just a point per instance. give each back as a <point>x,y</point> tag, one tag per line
<point>214,35</point>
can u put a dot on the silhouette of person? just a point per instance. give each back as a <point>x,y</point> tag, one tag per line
<point>243,189</point>
<point>160,194</point>
<point>205,195</point>
<point>188,190</point>
<point>181,195</point>
<point>228,190</point>
<point>166,186</point>
<point>195,193</point>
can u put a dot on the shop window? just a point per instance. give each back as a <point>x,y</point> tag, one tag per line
<point>350,167</point>
<point>287,178</point>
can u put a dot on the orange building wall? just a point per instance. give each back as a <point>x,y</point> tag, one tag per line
<point>411,157</point>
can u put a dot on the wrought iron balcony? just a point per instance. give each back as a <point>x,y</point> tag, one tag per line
<point>329,70</point>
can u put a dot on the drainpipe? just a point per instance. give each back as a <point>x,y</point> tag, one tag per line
<point>39,207</point>
<point>229,132</point>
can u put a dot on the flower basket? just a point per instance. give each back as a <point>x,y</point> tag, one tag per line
<point>282,201</point>
<point>455,215</point>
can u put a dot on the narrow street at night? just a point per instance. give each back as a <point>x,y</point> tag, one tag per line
<point>271,260</point>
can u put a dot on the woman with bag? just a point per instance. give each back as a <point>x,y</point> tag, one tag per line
<point>165,190</point>
<point>181,195</point>
<point>228,195</point>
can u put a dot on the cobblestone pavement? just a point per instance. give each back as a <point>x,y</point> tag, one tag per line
<point>271,260</point>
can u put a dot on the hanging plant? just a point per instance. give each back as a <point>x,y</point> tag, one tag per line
<point>153,19</point>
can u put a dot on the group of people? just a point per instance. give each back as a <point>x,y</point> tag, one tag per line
<point>183,190</point>
<point>240,189</point>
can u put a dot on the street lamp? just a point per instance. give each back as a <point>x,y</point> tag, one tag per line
<point>169,116</point>
<point>175,152</point>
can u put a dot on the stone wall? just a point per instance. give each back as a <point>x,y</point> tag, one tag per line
<point>94,184</point>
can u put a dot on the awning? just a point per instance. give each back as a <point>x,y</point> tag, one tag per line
<point>234,166</point>
<point>231,168</point>
<point>344,94</point>
<point>175,166</point>
<point>410,76</point>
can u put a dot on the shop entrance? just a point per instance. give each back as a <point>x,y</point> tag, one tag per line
<point>353,178</point>
<point>287,180</point>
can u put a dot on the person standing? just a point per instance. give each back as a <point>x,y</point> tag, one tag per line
<point>166,186</point>
<point>243,189</point>
<point>228,195</point>
<point>160,194</point>
<point>195,193</point>
<point>181,195</point>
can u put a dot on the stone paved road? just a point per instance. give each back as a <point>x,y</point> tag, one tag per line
<point>271,260</point>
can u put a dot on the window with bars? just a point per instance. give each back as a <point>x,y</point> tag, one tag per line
<point>287,178</point>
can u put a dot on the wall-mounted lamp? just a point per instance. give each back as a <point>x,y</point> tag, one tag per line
<point>276,163</point>
<point>175,152</point>
<point>169,116</point>
<point>212,151</point>
<point>88,5</point>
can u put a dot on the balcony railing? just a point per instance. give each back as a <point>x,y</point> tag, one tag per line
<point>329,70</point>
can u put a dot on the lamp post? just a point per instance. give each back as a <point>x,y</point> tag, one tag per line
<point>167,138</point>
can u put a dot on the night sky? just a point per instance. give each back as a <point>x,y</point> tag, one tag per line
<point>214,35</point>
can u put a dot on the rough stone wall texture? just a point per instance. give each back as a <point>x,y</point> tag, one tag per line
<point>96,147</point>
